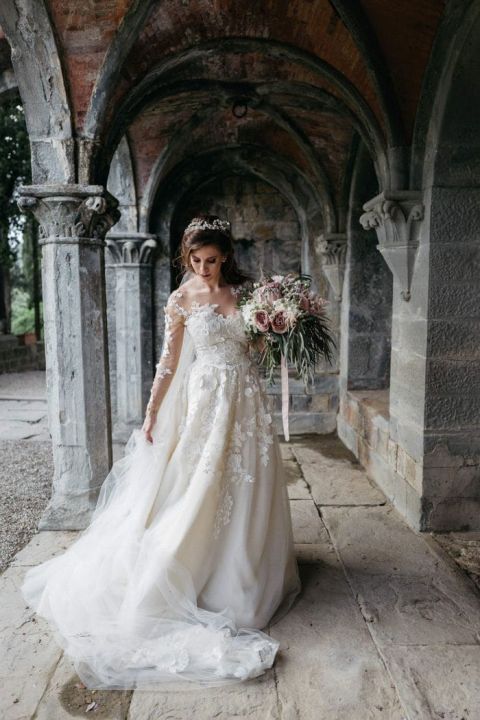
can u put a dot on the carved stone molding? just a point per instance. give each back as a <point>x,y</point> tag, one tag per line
<point>80,214</point>
<point>333,250</point>
<point>130,248</point>
<point>396,218</point>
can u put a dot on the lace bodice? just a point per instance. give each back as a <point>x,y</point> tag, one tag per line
<point>218,340</point>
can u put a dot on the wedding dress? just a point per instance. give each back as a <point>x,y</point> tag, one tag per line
<point>189,553</point>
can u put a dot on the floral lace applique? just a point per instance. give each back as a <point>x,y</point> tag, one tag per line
<point>235,473</point>
<point>172,345</point>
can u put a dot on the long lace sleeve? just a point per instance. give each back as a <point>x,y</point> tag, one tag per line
<point>172,344</point>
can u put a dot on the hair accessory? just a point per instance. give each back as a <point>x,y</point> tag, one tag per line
<point>201,224</point>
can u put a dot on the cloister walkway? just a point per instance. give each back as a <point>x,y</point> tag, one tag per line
<point>387,625</point>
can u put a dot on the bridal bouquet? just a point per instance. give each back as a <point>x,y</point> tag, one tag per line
<point>289,321</point>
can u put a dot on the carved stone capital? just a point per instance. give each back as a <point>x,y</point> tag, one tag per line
<point>396,218</point>
<point>70,213</point>
<point>130,248</point>
<point>333,250</point>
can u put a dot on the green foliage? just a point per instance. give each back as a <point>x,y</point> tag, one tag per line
<point>14,171</point>
<point>23,318</point>
<point>303,347</point>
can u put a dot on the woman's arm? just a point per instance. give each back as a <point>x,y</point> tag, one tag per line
<point>172,345</point>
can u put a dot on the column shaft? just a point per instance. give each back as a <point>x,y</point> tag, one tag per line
<point>73,221</point>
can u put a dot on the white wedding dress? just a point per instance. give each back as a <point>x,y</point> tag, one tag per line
<point>189,554</point>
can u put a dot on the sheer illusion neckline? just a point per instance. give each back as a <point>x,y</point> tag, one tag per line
<point>198,306</point>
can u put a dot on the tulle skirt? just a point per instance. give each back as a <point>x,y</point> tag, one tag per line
<point>189,554</point>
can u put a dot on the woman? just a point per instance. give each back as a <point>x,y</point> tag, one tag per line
<point>189,554</point>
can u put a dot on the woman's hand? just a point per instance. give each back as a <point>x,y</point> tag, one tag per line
<point>148,425</point>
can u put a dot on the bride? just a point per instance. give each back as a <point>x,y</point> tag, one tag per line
<point>189,553</point>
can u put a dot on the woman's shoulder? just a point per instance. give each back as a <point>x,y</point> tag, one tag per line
<point>178,301</point>
<point>183,294</point>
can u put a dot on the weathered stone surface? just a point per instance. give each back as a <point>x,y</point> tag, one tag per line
<point>307,422</point>
<point>43,546</point>
<point>405,592</point>
<point>256,699</point>
<point>307,524</point>
<point>286,451</point>
<point>326,450</point>
<point>131,256</point>
<point>73,221</point>
<point>28,652</point>
<point>316,553</point>
<point>297,488</point>
<point>464,548</point>
<point>64,698</point>
<point>437,681</point>
<point>342,484</point>
<point>330,667</point>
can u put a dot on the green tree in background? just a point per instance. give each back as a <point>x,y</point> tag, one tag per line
<point>18,264</point>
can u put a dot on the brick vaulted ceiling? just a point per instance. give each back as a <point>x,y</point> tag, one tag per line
<point>312,73</point>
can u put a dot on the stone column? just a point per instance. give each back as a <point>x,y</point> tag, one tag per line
<point>397,219</point>
<point>73,222</point>
<point>129,256</point>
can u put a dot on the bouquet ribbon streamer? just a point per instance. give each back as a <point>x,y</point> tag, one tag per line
<point>284,378</point>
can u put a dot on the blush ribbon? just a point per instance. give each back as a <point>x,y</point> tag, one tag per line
<point>285,396</point>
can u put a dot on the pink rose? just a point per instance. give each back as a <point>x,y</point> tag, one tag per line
<point>279,322</point>
<point>317,305</point>
<point>262,321</point>
<point>304,303</point>
<point>270,292</point>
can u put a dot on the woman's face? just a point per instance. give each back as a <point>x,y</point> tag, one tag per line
<point>207,262</point>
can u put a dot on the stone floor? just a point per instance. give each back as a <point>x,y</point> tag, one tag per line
<point>387,625</point>
<point>23,406</point>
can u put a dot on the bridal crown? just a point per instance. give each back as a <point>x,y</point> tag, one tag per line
<point>202,224</point>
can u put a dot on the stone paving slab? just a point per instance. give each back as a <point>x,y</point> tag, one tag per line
<point>28,651</point>
<point>296,485</point>
<point>316,554</point>
<point>27,410</point>
<point>375,540</point>
<point>341,485</point>
<point>437,682</point>
<point>43,546</point>
<point>17,430</point>
<point>385,627</point>
<point>255,699</point>
<point>327,450</point>
<point>307,524</point>
<point>330,667</point>
<point>420,610</point>
<point>65,698</point>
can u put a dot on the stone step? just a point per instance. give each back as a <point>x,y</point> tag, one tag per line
<point>306,422</point>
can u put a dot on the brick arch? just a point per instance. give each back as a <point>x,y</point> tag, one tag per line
<point>178,147</point>
<point>162,79</point>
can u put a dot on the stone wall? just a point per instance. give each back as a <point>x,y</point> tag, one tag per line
<point>15,357</point>
<point>363,424</point>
